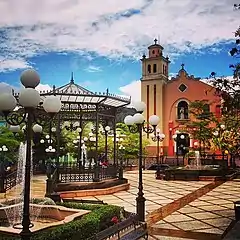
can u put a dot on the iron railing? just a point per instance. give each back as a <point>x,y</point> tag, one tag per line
<point>8,181</point>
<point>75,173</point>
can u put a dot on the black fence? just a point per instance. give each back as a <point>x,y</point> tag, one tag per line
<point>8,181</point>
<point>75,173</point>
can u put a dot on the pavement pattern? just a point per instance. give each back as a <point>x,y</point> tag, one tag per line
<point>210,214</point>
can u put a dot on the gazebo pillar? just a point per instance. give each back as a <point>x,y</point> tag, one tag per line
<point>96,165</point>
<point>114,142</point>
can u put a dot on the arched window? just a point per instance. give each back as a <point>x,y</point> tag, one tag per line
<point>149,68</point>
<point>163,69</point>
<point>182,110</point>
<point>153,51</point>
<point>154,68</point>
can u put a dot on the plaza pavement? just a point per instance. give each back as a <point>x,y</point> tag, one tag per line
<point>205,218</point>
<point>208,215</point>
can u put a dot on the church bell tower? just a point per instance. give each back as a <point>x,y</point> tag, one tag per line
<point>154,77</point>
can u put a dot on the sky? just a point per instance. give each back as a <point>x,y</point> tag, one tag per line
<point>101,42</point>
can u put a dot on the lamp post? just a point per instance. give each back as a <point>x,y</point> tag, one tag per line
<point>3,150</point>
<point>175,139</point>
<point>119,140</point>
<point>49,186</point>
<point>106,131</point>
<point>28,100</point>
<point>158,137</point>
<point>121,149</point>
<point>136,125</point>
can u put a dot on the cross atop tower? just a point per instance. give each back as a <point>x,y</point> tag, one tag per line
<point>155,41</point>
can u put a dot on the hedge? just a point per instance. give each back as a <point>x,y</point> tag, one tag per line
<point>87,226</point>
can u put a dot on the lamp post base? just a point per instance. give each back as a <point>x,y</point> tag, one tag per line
<point>26,235</point>
<point>141,208</point>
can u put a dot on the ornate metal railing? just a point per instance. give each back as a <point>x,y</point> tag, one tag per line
<point>75,173</point>
<point>8,181</point>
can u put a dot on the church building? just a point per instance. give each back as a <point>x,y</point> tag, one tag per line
<point>170,98</point>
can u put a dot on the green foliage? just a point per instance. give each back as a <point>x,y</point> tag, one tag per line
<point>9,140</point>
<point>81,229</point>
<point>131,141</point>
<point>229,91</point>
<point>200,126</point>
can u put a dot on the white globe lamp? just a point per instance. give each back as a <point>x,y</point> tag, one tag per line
<point>107,128</point>
<point>140,106</point>
<point>14,129</point>
<point>7,102</point>
<point>138,118</point>
<point>30,78</point>
<point>128,120</point>
<point>52,104</point>
<point>37,128</point>
<point>29,98</point>
<point>154,120</point>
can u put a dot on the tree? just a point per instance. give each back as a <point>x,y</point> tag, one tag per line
<point>12,143</point>
<point>131,141</point>
<point>229,91</point>
<point>202,120</point>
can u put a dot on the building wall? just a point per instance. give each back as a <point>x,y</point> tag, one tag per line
<point>162,96</point>
<point>196,90</point>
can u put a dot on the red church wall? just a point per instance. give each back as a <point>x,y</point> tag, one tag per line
<point>196,90</point>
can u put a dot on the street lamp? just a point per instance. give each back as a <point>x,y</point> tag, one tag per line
<point>136,125</point>
<point>106,131</point>
<point>28,100</point>
<point>158,137</point>
<point>2,169</point>
<point>121,149</point>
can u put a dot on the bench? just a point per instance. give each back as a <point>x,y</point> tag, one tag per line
<point>129,229</point>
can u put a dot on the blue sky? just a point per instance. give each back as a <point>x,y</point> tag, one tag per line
<point>102,43</point>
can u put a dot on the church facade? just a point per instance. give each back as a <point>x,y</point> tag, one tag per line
<point>170,98</point>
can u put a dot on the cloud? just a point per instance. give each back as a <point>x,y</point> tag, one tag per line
<point>133,90</point>
<point>92,68</point>
<point>7,88</point>
<point>115,29</point>
<point>43,87</point>
<point>13,64</point>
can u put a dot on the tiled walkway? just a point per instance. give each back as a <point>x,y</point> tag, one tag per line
<point>210,214</point>
<point>157,193</point>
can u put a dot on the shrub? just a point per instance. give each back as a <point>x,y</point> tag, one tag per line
<point>81,229</point>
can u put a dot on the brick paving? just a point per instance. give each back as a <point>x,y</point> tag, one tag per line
<point>209,214</point>
<point>157,193</point>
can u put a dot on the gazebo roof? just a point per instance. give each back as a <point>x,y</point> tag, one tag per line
<point>73,93</point>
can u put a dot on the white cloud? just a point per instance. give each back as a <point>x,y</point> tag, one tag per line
<point>43,87</point>
<point>92,68</point>
<point>7,88</point>
<point>133,90</point>
<point>107,29</point>
<point>12,64</point>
